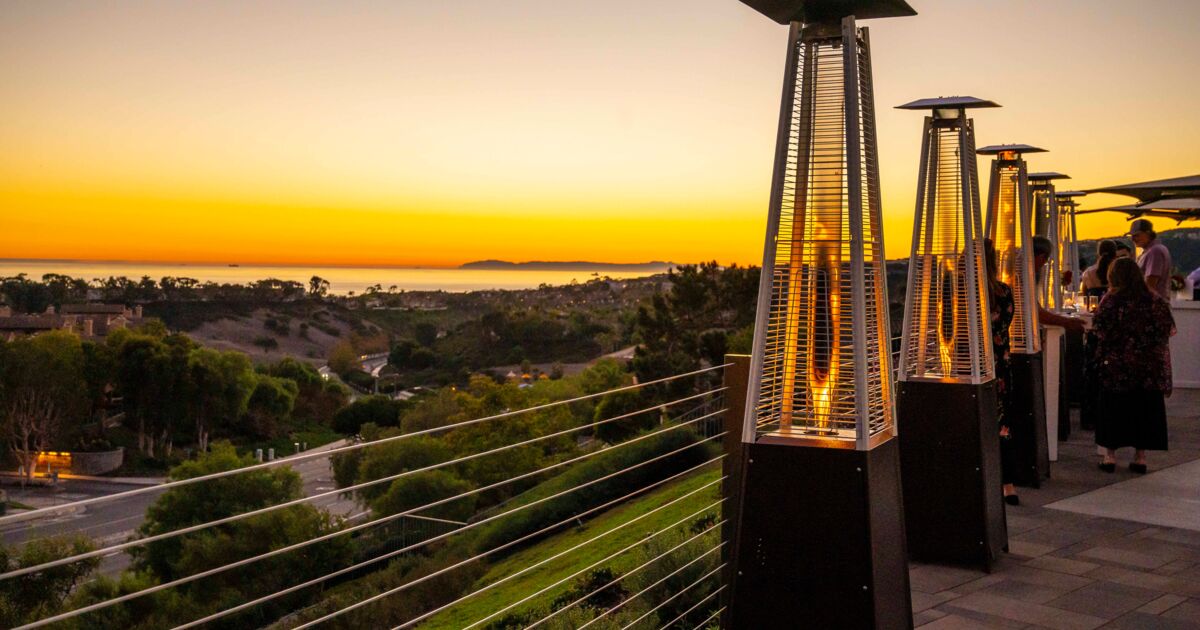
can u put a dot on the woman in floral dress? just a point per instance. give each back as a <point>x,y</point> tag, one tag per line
<point>1133,328</point>
<point>1000,302</point>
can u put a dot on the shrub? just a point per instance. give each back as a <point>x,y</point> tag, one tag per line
<point>545,514</point>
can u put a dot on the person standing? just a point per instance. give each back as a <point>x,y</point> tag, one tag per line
<point>1042,248</point>
<point>1155,259</point>
<point>1000,302</point>
<point>1095,278</point>
<point>1133,326</point>
<point>1124,251</point>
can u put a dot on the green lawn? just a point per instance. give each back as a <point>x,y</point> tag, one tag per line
<point>493,600</point>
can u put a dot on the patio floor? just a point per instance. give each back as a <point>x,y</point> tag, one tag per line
<point>1089,549</point>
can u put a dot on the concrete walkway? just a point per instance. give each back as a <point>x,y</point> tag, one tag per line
<point>1089,549</point>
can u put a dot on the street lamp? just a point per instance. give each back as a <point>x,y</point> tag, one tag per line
<point>946,395</point>
<point>820,538</point>
<point>1009,225</point>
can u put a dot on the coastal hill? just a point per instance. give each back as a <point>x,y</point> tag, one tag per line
<point>541,265</point>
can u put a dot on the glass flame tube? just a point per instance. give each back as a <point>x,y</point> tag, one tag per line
<point>945,316</point>
<point>1009,225</point>
<point>820,349</point>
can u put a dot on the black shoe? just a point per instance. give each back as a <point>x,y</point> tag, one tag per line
<point>1012,499</point>
<point>1108,467</point>
<point>1137,468</point>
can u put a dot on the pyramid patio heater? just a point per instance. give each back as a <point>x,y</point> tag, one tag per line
<point>1068,239</point>
<point>1046,223</point>
<point>946,394</point>
<point>820,535</point>
<point>1010,226</point>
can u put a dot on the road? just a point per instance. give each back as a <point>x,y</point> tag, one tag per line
<point>114,521</point>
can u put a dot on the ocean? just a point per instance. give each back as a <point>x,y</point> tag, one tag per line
<point>342,280</point>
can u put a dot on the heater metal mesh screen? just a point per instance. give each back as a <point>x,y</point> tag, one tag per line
<point>1009,229</point>
<point>1068,246</point>
<point>821,377</point>
<point>1050,278</point>
<point>946,324</point>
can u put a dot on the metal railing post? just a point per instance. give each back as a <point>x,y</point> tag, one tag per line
<point>736,382</point>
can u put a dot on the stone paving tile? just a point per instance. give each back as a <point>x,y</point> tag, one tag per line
<point>1028,549</point>
<point>962,622</point>
<point>1062,565</point>
<point>927,616</point>
<point>1162,604</point>
<point>1027,592</point>
<point>1105,599</point>
<point>1126,557</point>
<point>924,601</point>
<point>1175,567</point>
<point>1163,583</point>
<point>1188,611</point>
<point>1052,579</point>
<point>1026,612</point>
<point>934,579</point>
<point>1142,621</point>
<point>1069,570</point>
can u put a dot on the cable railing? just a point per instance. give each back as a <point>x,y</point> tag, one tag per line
<point>697,420</point>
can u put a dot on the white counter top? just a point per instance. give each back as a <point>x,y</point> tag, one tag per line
<point>1185,345</point>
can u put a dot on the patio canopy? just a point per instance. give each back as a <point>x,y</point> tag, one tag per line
<point>1179,209</point>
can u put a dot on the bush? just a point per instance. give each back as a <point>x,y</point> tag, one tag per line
<point>423,488</point>
<point>545,514</point>
<point>266,343</point>
<point>379,410</point>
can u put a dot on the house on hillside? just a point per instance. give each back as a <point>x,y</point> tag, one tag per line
<point>89,321</point>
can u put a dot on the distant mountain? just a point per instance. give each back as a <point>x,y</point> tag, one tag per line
<point>541,265</point>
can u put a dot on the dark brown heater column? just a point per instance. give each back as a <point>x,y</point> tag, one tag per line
<point>946,395</point>
<point>1009,225</point>
<point>820,530</point>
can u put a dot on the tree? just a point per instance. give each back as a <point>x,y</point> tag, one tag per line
<point>619,404</point>
<point>401,353</point>
<point>43,388</point>
<point>270,404</point>
<point>152,378</point>
<point>343,359</point>
<point>220,385</point>
<point>317,287</point>
<point>426,333</point>
<point>220,545</point>
<point>379,410</point>
<point>317,399</point>
<point>424,488</point>
<point>266,343</point>
<point>41,594</point>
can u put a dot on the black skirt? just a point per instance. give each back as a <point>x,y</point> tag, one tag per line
<point>1137,419</point>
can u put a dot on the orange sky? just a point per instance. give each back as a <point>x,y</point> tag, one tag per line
<point>425,133</point>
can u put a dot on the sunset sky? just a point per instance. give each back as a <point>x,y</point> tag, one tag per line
<point>434,133</point>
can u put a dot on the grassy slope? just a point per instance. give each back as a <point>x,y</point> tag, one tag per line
<point>492,600</point>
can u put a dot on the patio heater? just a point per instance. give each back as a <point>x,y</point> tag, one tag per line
<point>820,535</point>
<point>946,391</point>
<point>1046,223</point>
<point>1068,242</point>
<point>1009,225</point>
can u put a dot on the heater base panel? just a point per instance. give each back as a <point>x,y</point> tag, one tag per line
<point>820,540</point>
<point>1026,416</point>
<point>950,468</point>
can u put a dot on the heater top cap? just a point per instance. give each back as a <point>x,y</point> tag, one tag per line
<point>997,149</point>
<point>812,11</point>
<point>1047,176</point>
<point>1070,193</point>
<point>948,102</point>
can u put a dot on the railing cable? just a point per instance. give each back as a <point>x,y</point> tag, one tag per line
<point>406,585</point>
<point>58,509</point>
<point>698,604</point>
<point>281,550</point>
<point>410,513</point>
<point>138,542</point>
